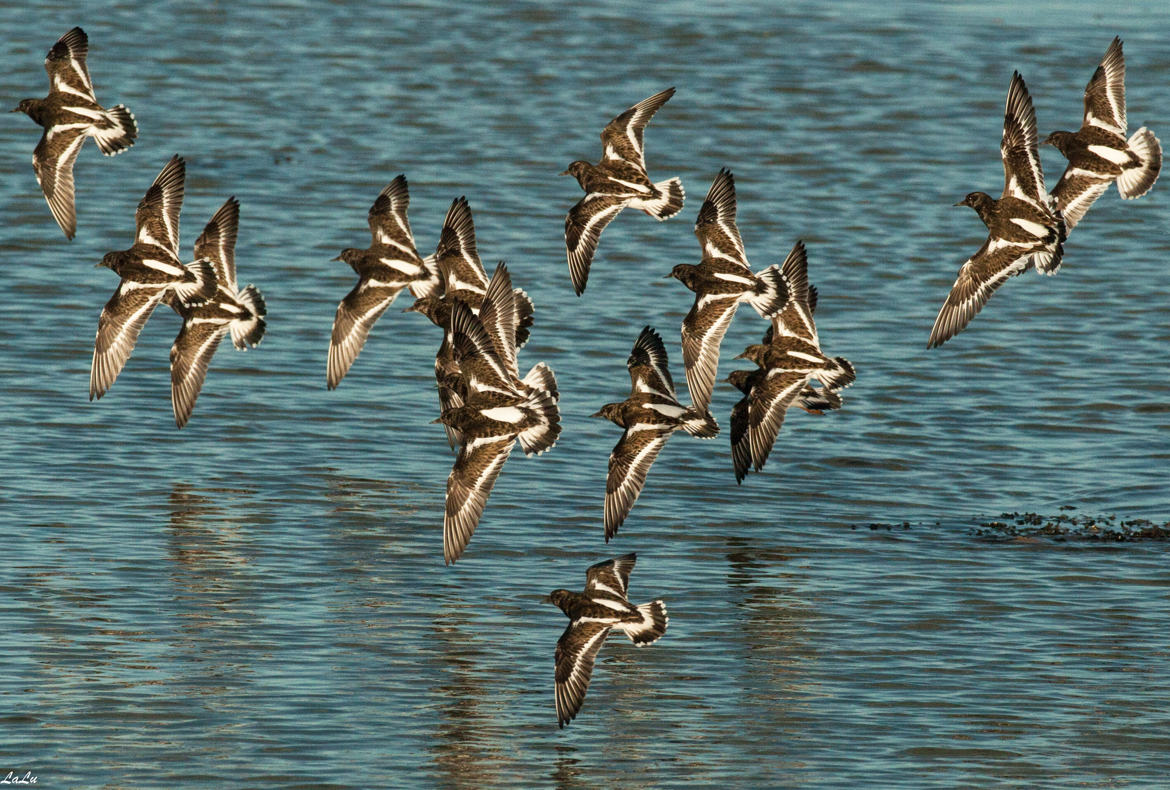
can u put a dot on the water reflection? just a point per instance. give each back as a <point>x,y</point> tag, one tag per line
<point>471,749</point>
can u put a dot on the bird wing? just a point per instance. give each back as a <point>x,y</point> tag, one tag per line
<point>217,243</point>
<point>715,226</point>
<point>157,217</point>
<point>576,651</point>
<point>622,137</point>
<point>475,471</point>
<point>583,226</point>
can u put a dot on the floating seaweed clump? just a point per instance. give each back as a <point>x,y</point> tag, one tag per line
<point>1066,526</point>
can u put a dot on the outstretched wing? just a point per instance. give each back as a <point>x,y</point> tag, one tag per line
<point>1022,176</point>
<point>576,651</point>
<point>1105,93</point>
<point>66,66</point>
<point>611,576</point>
<point>715,226</point>
<point>583,227</point>
<point>622,137</point>
<point>979,277</point>
<point>217,243</point>
<point>157,217</point>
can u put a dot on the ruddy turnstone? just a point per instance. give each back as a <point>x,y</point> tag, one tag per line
<point>649,416</point>
<point>1098,154</point>
<point>1025,229</point>
<point>230,310</point>
<point>390,264</point>
<point>790,360</point>
<point>460,276</point>
<point>149,270</point>
<point>69,114</point>
<point>496,410</point>
<point>617,181</point>
<point>721,281</point>
<point>592,614</point>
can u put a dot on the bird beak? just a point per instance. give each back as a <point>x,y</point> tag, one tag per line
<point>563,173</point>
<point>17,109</point>
<point>960,203</point>
<point>336,259</point>
<point>668,276</point>
<point>598,414</point>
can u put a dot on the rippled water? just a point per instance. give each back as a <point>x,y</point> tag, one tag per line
<point>259,600</point>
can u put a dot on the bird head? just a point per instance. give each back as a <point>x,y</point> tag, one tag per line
<point>740,380</point>
<point>559,598</point>
<point>1058,140</point>
<point>577,169</point>
<point>611,412</point>
<point>350,256</point>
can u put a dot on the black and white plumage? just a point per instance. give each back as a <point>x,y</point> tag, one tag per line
<point>1099,153</point>
<point>792,371</point>
<point>1025,229</point>
<point>70,114</point>
<point>497,408</point>
<point>150,271</point>
<point>460,277</point>
<point>617,181</point>
<point>593,613</point>
<point>721,281</point>
<point>390,264</point>
<point>232,311</point>
<point>649,416</point>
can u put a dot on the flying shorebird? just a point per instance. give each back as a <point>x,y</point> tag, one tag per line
<point>1098,154</point>
<point>721,281</point>
<point>1025,229</point>
<point>69,114</point>
<point>460,276</point>
<point>230,310</point>
<point>150,270</point>
<point>390,264</point>
<point>789,361</point>
<point>649,416</point>
<point>617,181</point>
<point>592,614</point>
<point>497,408</point>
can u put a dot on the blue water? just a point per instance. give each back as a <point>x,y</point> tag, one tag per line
<point>259,600</point>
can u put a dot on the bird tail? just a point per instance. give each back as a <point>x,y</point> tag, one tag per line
<point>700,423</point>
<point>1047,261</point>
<point>771,292</point>
<point>524,312</point>
<point>668,203</point>
<point>204,286</point>
<point>1137,182</point>
<point>249,330</point>
<point>115,131</point>
<point>839,376</point>
<point>432,284</point>
<point>652,626</point>
<point>818,400</point>
<point>541,377</point>
<point>544,434</point>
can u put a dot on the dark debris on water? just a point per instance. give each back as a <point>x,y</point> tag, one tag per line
<point>1066,526</point>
